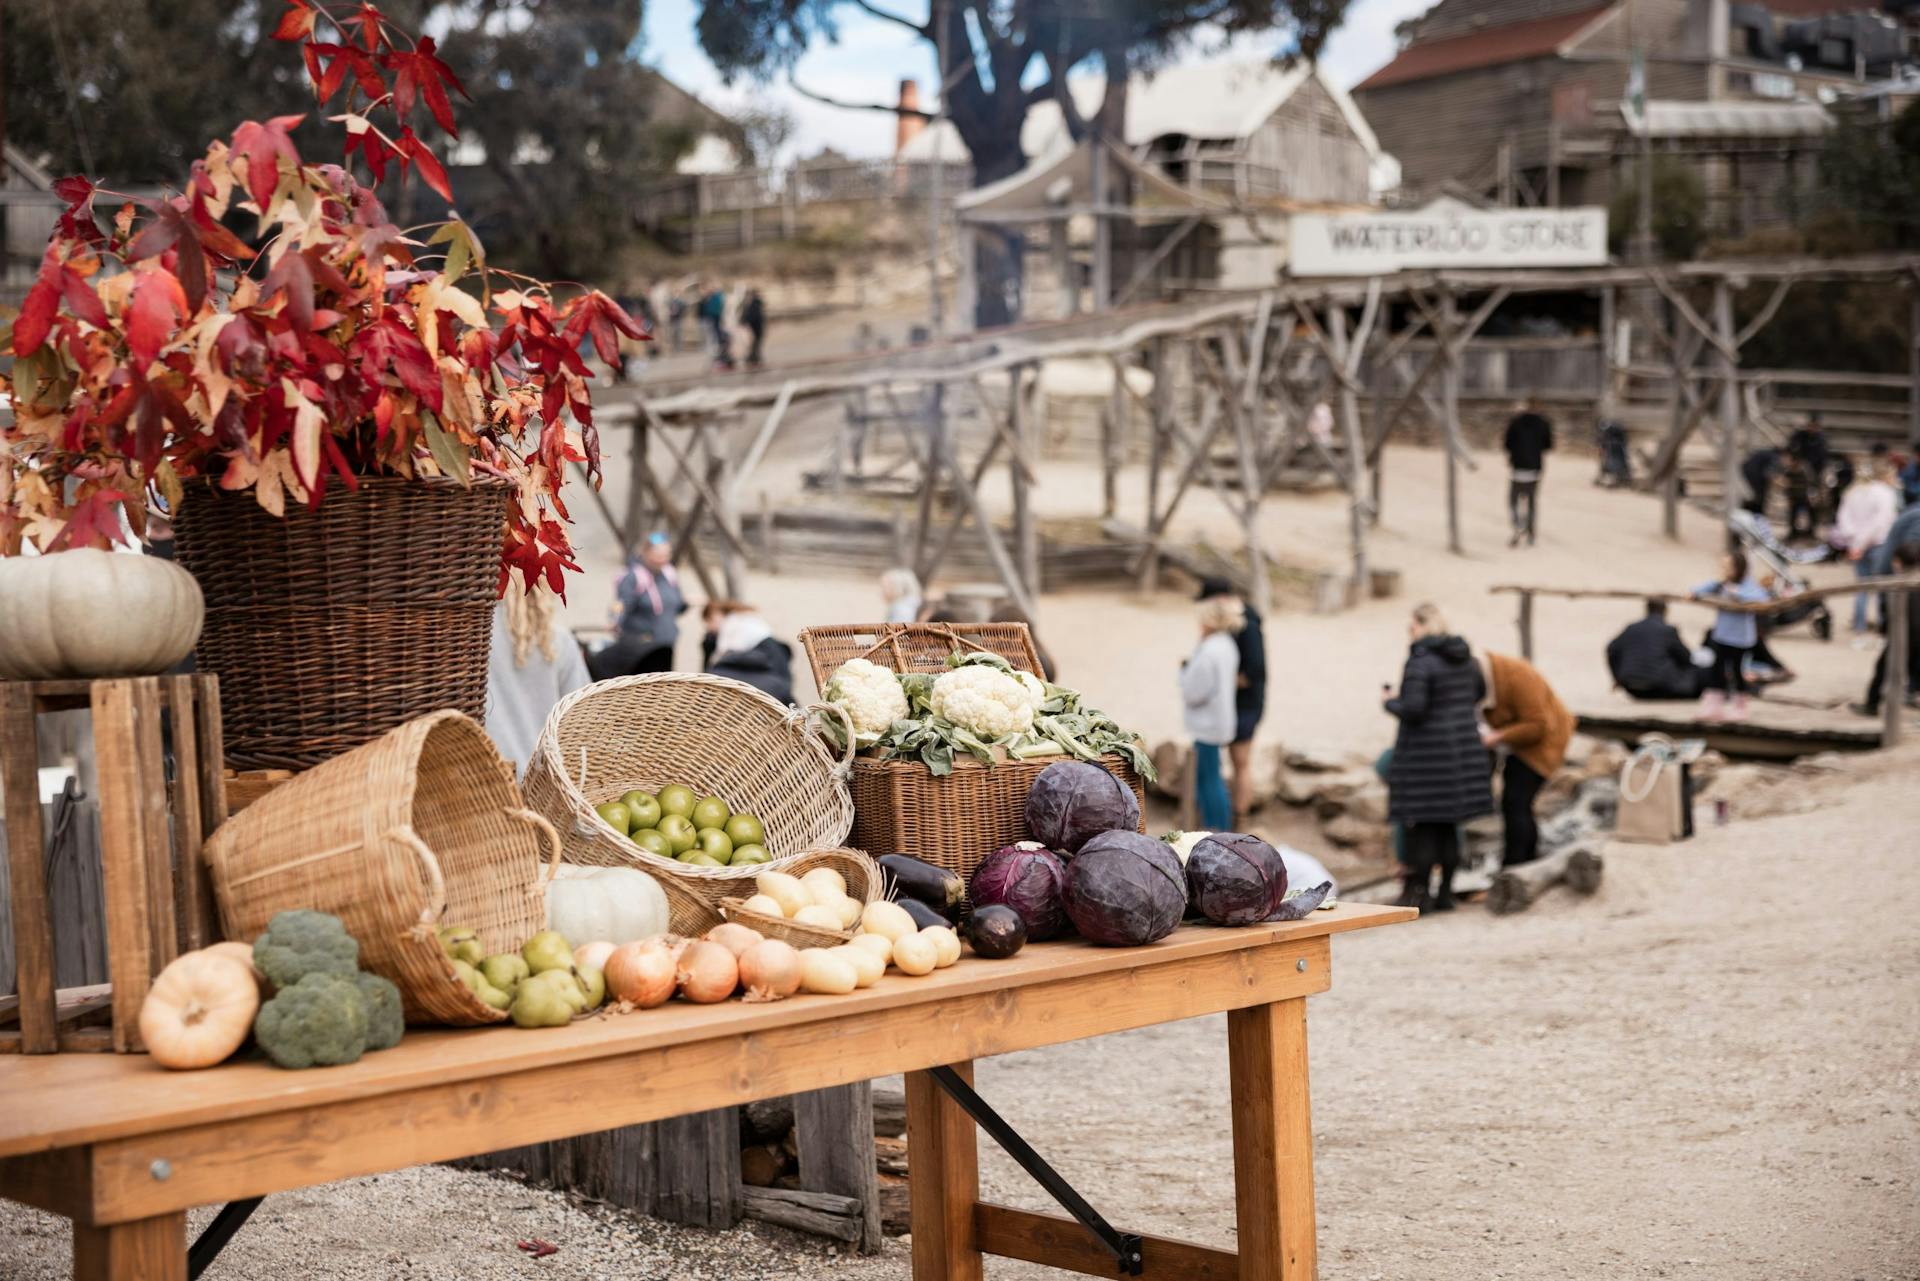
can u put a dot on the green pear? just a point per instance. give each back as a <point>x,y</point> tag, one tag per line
<point>595,984</point>
<point>547,950</point>
<point>505,970</point>
<point>491,995</point>
<point>454,937</point>
<point>540,1005</point>
<point>566,983</point>
<point>468,975</point>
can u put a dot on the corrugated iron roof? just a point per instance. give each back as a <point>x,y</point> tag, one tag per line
<point>1536,37</point>
<point>1732,120</point>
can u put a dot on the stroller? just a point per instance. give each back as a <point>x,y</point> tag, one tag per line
<point>1764,547</point>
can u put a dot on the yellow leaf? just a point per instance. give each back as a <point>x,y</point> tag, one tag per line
<point>167,481</point>
<point>308,423</point>
<point>446,449</point>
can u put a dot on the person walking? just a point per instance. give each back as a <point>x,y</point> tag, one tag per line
<point>1529,439</point>
<point>532,664</point>
<point>1650,661</point>
<point>1732,638</point>
<point>1439,777</point>
<point>713,315</point>
<point>1867,512</point>
<point>1906,560</point>
<point>740,646</point>
<point>1207,688</point>
<point>1250,691</point>
<point>1529,725</point>
<point>651,603</point>
<point>753,317</point>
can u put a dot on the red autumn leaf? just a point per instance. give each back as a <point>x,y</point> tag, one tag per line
<point>78,192</point>
<point>328,65</point>
<point>42,304</point>
<point>82,301</point>
<point>75,190</point>
<point>372,144</point>
<point>368,21</point>
<point>293,276</point>
<point>430,168</point>
<point>157,308</point>
<point>339,461</point>
<point>604,319</point>
<point>265,146</point>
<point>297,22</point>
<point>93,522</point>
<point>387,342</point>
<point>420,72</point>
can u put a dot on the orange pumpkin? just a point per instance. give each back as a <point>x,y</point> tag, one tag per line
<point>199,1010</point>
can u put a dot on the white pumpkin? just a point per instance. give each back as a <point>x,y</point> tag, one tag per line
<point>605,905</point>
<point>199,1010</point>
<point>86,612</point>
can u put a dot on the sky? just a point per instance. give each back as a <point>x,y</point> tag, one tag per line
<point>873,56</point>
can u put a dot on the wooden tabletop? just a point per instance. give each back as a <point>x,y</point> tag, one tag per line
<point>67,1100</point>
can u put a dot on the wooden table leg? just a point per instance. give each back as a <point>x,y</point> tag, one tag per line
<point>943,1181</point>
<point>145,1250</point>
<point>1272,1141</point>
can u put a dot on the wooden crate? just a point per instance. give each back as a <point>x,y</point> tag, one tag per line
<point>158,898</point>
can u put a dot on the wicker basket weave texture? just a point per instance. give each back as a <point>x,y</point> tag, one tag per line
<point>420,828</point>
<point>899,807</point>
<point>721,738</point>
<point>330,627</point>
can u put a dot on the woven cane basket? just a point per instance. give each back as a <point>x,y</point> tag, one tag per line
<point>899,807</point>
<point>721,738</point>
<point>420,828</point>
<point>330,627</point>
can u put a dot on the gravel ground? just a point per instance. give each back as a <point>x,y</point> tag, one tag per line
<point>1708,1070</point>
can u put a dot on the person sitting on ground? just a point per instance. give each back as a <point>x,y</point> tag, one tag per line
<point>1732,639</point>
<point>1527,719</point>
<point>532,664</point>
<point>1650,661</point>
<point>1439,777</point>
<point>1906,560</point>
<point>740,646</point>
<point>1758,471</point>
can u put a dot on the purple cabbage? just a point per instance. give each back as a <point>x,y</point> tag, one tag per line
<point>1125,889</point>
<point>1072,802</point>
<point>1027,877</point>
<point>1235,879</point>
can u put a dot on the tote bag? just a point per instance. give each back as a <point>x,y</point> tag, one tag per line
<point>1656,792</point>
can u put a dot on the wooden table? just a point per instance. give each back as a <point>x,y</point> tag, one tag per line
<point>125,1148</point>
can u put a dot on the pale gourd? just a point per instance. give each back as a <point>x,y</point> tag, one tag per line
<point>86,612</point>
<point>605,905</point>
<point>199,1010</point>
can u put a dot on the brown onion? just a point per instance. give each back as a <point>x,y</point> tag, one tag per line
<point>592,956</point>
<point>707,973</point>
<point>640,974</point>
<point>770,970</point>
<point>736,938</point>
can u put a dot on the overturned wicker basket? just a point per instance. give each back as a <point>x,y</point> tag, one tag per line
<point>419,828</point>
<point>720,737</point>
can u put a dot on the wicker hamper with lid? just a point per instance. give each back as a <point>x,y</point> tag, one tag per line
<point>420,828</point>
<point>899,807</point>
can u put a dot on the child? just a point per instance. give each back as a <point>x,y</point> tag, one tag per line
<point>1732,639</point>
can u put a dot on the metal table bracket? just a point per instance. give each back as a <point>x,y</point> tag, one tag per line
<point>1125,1246</point>
<point>207,1246</point>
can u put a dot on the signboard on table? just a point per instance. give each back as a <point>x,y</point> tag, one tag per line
<point>1447,233</point>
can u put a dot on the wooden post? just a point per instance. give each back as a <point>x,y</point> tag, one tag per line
<point>1526,625</point>
<point>1110,435</point>
<point>131,925</point>
<point>1356,454</point>
<point>1609,388</point>
<point>1158,429</point>
<point>1913,367</point>
<point>1893,695</point>
<point>1026,532</point>
<point>834,1128</point>
<point>935,456</point>
<point>1450,401</point>
<point>144,1250</point>
<point>1730,416</point>
<point>1272,1141</point>
<point>31,911</point>
<point>637,465</point>
<point>728,517</point>
<point>1102,228</point>
<point>1062,255</point>
<point>943,1181</point>
<point>769,554</point>
<point>697,1168</point>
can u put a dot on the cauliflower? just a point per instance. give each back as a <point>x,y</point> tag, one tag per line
<point>386,1021</point>
<point>1183,842</point>
<point>870,695</point>
<point>317,1022</point>
<point>989,702</point>
<point>1035,688</point>
<point>300,943</point>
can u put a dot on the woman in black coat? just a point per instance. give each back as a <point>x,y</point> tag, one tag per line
<point>1440,776</point>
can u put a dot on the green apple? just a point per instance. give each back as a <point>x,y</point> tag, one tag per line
<point>468,975</point>
<point>652,842</point>
<point>680,833</point>
<point>595,982</point>
<point>744,855</point>
<point>616,815</point>
<point>498,998</point>
<point>505,971</point>
<point>541,1005</point>
<point>694,858</point>
<point>675,799</point>
<point>714,843</point>
<point>547,950</point>
<point>642,808</point>
<point>745,829</point>
<point>710,811</point>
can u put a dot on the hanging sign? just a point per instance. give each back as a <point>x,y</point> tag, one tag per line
<point>1446,234</point>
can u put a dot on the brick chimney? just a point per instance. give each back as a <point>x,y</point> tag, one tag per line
<point>906,126</point>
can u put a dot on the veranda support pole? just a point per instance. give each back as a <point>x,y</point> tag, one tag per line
<point>1725,356</point>
<point>1450,400</point>
<point>1026,534</point>
<point>1157,450</point>
<point>1893,694</point>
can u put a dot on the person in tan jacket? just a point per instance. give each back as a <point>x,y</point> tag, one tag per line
<point>1524,716</point>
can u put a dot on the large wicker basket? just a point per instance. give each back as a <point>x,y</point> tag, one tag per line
<point>899,807</point>
<point>420,828</point>
<point>330,627</point>
<point>720,737</point>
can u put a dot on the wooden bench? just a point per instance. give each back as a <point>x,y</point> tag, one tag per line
<point>124,1148</point>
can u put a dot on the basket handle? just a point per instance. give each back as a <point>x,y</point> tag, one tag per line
<point>436,883</point>
<point>844,766</point>
<point>542,828</point>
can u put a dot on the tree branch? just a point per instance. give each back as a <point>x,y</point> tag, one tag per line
<point>925,31</point>
<point>892,109</point>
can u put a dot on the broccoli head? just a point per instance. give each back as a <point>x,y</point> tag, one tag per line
<point>318,1022</point>
<point>385,1019</point>
<point>300,943</point>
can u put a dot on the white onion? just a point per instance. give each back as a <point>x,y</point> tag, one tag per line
<point>770,970</point>
<point>592,956</point>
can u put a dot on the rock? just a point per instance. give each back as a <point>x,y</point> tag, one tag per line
<point>1295,789</point>
<point>1604,759</point>
<point>1823,763</point>
<point>891,1155</point>
<point>1170,763</point>
<point>1349,831</point>
<point>1316,760</point>
<point>1369,803</point>
<point>760,1166</point>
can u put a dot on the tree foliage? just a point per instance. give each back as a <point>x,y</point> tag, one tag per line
<point>1679,209</point>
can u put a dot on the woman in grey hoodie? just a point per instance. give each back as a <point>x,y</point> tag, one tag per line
<point>1207,682</point>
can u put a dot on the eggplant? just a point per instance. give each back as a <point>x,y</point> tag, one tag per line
<point>922,915</point>
<point>910,877</point>
<point>995,931</point>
